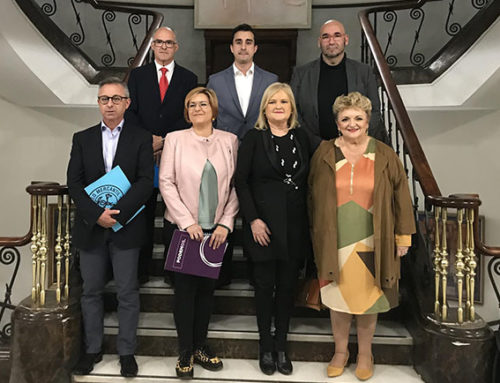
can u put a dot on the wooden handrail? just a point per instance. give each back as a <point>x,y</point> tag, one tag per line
<point>82,62</point>
<point>47,188</point>
<point>35,188</point>
<point>411,142</point>
<point>141,55</point>
<point>456,201</point>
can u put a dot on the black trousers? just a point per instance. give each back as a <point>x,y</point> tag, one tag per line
<point>193,302</point>
<point>193,305</point>
<point>146,254</point>
<point>275,285</point>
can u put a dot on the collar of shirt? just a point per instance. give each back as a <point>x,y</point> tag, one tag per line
<point>115,131</point>
<point>237,72</point>
<point>110,143</point>
<point>170,70</point>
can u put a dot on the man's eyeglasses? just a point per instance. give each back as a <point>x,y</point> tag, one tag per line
<point>201,104</point>
<point>167,43</point>
<point>116,99</point>
<point>336,36</point>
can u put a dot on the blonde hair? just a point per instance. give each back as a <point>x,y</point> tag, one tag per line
<point>270,91</point>
<point>212,100</point>
<point>352,100</point>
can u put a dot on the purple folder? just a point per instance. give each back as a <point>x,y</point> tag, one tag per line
<point>189,256</point>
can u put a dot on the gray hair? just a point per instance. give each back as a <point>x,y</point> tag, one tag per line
<point>117,81</point>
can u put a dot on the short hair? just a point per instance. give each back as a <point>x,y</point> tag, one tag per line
<point>352,100</point>
<point>115,80</point>
<point>245,28</point>
<point>212,100</point>
<point>270,91</point>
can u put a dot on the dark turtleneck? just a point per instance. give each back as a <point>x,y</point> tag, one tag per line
<point>332,83</point>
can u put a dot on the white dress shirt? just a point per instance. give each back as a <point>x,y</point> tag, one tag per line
<point>110,143</point>
<point>170,70</point>
<point>243,86</point>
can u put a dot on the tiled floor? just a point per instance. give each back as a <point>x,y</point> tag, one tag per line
<point>161,369</point>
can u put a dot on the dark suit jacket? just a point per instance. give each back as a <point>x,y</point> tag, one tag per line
<point>360,78</point>
<point>231,118</point>
<point>146,109</point>
<point>134,155</point>
<point>263,194</point>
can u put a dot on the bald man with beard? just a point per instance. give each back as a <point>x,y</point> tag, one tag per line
<point>318,83</point>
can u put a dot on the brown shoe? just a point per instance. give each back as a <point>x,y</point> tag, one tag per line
<point>364,373</point>
<point>333,371</point>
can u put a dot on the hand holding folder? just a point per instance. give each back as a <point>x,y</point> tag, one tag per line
<point>189,256</point>
<point>107,191</point>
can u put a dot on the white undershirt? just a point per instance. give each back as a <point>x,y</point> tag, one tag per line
<point>170,70</point>
<point>243,86</point>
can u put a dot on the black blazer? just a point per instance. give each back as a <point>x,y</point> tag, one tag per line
<point>263,194</point>
<point>146,109</point>
<point>134,154</point>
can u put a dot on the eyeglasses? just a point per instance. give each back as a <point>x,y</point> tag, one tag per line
<point>335,36</point>
<point>116,99</point>
<point>201,104</point>
<point>167,43</point>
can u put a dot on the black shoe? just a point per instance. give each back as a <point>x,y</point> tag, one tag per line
<point>128,366</point>
<point>207,359</point>
<point>283,363</point>
<point>184,367</point>
<point>86,363</point>
<point>267,363</point>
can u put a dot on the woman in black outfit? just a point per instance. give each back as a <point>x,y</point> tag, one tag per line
<point>271,178</point>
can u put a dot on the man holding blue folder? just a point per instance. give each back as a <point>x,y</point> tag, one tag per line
<point>107,229</point>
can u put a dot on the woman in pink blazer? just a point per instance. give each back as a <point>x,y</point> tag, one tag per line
<point>196,183</point>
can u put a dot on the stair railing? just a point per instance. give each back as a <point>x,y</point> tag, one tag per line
<point>469,244</point>
<point>50,238</point>
<point>70,44</point>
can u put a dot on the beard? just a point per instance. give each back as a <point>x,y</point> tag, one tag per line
<point>332,55</point>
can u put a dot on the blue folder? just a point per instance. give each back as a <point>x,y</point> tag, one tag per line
<point>108,189</point>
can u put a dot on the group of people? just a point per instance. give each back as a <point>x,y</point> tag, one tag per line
<point>306,166</point>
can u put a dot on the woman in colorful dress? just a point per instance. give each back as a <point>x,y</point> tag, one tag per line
<point>362,220</point>
<point>271,181</point>
<point>196,183</point>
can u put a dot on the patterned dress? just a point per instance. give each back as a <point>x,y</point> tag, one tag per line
<point>356,291</point>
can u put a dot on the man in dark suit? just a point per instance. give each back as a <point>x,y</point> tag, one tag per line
<point>157,93</point>
<point>239,90</point>
<point>95,151</point>
<point>318,83</point>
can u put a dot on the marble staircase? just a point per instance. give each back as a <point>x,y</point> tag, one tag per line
<point>233,335</point>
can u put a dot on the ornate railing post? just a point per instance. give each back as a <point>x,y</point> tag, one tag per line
<point>34,245</point>
<point>66,247</point>
<point>444,265</point>
<point>437,262</point>
<point>459,266</point>
<point>472,264</point>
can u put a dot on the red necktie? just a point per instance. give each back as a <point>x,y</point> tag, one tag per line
<point>163,83</point>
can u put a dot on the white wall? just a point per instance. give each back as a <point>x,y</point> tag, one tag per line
<point>34,145</point>
<point>462,149</point>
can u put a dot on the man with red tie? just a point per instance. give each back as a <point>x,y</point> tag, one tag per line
<point>157,92</point>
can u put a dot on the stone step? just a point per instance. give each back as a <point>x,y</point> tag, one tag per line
<point>235,298</point>
<point>162,369</point>
<point>236,336</point>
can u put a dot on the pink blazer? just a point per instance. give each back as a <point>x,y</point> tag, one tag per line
<point>182,162</point>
